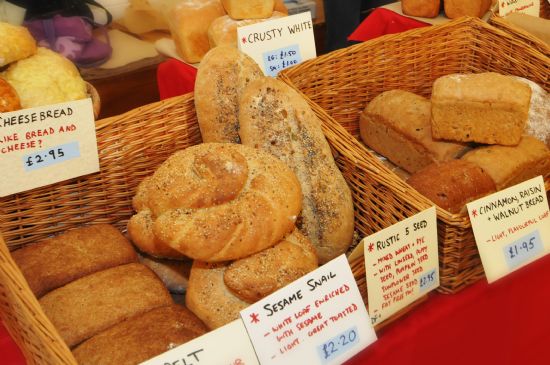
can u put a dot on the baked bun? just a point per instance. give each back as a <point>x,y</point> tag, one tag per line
<point>452,184</point>
<point>218,292</point>
<point>9,100</point>
<point>46,78</point>
<point>274,118</point>
<point>16,43</point>
<point>216,202</point>
<point>222,75</point>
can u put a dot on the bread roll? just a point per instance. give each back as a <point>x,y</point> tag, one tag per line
<point>457,8</point>
<point>59,260</point>
<point>510,165</point>
<point>421,8</point>
<point>218,292</point>
<point>485,108</point>
<point>222,75</point>
<point>189,21</point>
<point>141,337</point>
<point>452,184</point>
<point>274,118</point>
<point>396,124</point>
<point>16,43</point>
<point>87,306</point>
<point>9,100</point>
<point>46,78</point>
<point>216,202</point>
<point>249,9</point>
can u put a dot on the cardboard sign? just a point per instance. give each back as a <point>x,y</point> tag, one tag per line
<point>511,227</point>
<point>226,345</point>
<point>279,43</point>
<point>401,264</point>
<point>530,7</point>
<point>318,319</point>
<point>44,145</point>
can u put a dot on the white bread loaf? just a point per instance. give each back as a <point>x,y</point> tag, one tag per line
<point>249,9</point>
<point>274,118</point>
<point>216,202</point>
<point>222,75</point>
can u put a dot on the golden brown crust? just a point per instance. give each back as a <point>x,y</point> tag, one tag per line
<point>216,202</point>
<point>9,99</point>
<point>91,304</point>
<point>141,337</point>
<point>223,74</point>
<point>249,9</point>
<point>59,260</point>
<point>457,8</point>
<point>452,184</point>
<point>274,118</point>
<point>421,8</point>
<point>16,43</point>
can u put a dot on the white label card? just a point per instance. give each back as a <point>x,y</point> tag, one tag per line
<point>401,264</point>
<point>511,227</point>
<point>279,43</point>
<point>227,345</point>
<point>44,145</point>
<point>530,7</point>
<point>318,319</point>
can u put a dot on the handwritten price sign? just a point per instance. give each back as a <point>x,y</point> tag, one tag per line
<point>530,7</point>
<point>338,344</point>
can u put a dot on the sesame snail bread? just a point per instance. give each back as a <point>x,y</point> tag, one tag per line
<point>215,202</point>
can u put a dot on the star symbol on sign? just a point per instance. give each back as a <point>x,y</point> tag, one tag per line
<point>244,40</point>
<point>474,213</point>
<point>255,318</point>
<point>371,247</point>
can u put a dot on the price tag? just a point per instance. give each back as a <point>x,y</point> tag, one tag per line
<point>227,345</point>
<point>318,319</point>
<point>401,264</point>
<point>279,43</point>
<point>530,7</point>
<point>44,145</point>
<point>511,227</point>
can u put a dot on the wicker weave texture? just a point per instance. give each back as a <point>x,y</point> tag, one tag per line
<point>344,81</point>
<point>523,35</point>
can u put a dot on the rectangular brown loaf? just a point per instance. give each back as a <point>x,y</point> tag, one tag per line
<point>396,124</point>
<point>59,260</point>
<point>421,8</point>
<point>485,108</point>
<point>457,8</point>
<point>89,305</point>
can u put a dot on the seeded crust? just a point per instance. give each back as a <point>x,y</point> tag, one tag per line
<point>275,118</point>
<point>141,337</point>
<point>223,74</point>
<point>216,202</point>
<point>218,292</point>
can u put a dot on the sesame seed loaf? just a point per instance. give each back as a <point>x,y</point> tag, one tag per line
<point>485,108</point>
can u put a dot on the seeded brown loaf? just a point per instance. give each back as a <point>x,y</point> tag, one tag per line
<point>222,75</point>
<point>452,184</point>
<point>396,124</point>
<point>218,292</point>
<point>89,305</point>
<point>249,9</point>
<point>141,337</point>
<point>216,202</point>
<point>274,118</point>
<point>59,260</point>
<point>421,8</point>
<point>485,108</point>
<point>510,165</point>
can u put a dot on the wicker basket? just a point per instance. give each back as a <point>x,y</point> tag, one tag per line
<point>518,32</point>
<point>344,81</point>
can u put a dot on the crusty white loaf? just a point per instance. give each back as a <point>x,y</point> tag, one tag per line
<point>216,202</point>
<point>223,74</point>
<point>275,118</point>
<point>249,9</point>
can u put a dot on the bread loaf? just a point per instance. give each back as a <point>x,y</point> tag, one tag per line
<point>89,305</point>
<point>457,8</point>
<point>16,43</point>
<point>452,184</point>
<point>141,337</point>
<point>56,261</point>
<point>249,9</point>
<point>421,8</point>
<point>486,108</point>
<point>396,124</point>
<point>280,7</point>
<point>218,292</point>
<point>539,112</point>
<point>274,118</point>
<point>9,100</point>
<point>222,75</point>
<point>189,21</point>
<point>173,273</point>
<point>510,165</point>
<point>216,202</point>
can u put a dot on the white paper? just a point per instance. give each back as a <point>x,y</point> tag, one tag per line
<point>530,7</point>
